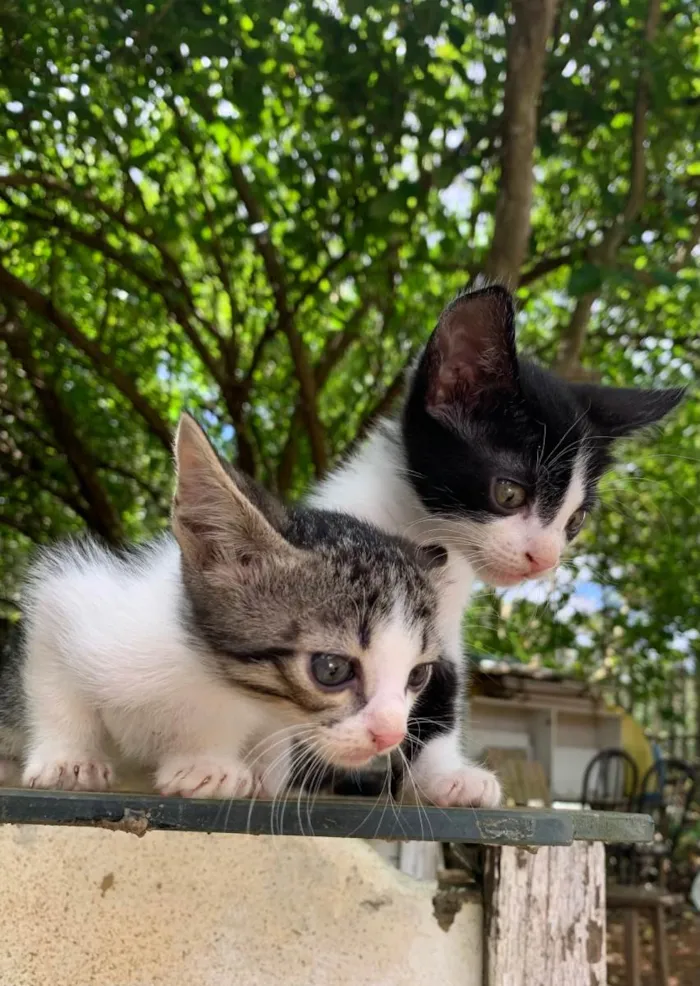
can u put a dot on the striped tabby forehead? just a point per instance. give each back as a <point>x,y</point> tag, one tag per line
<point>335,598</point>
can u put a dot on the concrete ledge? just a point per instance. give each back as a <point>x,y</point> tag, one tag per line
<point>335,818</point>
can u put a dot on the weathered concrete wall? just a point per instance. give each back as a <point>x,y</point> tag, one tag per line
<point>86,907</point>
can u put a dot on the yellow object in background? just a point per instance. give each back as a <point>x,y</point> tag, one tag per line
<point>637,745</point>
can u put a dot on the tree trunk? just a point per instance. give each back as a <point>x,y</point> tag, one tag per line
<point>527,51</point>
<point>568,359</point>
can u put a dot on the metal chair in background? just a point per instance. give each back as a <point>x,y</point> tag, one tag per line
<point>666,793</point>
<point>610,784</point>
<point>610,781</point>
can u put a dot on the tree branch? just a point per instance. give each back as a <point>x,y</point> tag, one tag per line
<point>103,517</point>
<point>41,305</point>
<point>266,336</point>
<point>545,266</point>
<point>382,406</point>
<point>118,215</point>
<point>527,50</point>
<point>339,343</point>
<point>217,250</point>
<point>14,525</point>
<point>154,492</point>
<point>285,316</point>
<point>91,240</point>
<point>573,337</point>
<point>311,287</point>
<point>335,349</point>
<point>158,285</point>
<point>19,415</point>
<point>33,473</point>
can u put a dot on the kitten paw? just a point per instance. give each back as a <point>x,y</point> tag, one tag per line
<point>467,787</point>
<point>204,779</point>
<point>69,775</point>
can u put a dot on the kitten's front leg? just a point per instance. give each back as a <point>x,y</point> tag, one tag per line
<point>204,775</point>
<point>55,769</point>
<point>439,771</point>
<point>202,752</point>
<point>65,733</point>
<point>217,776</point>
<point>443,776</point>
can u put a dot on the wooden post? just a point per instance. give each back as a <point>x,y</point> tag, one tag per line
<point>660,944</point>
<point>632,955</point>
<point>545,916</point>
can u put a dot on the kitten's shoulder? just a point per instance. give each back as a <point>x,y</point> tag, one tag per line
<point>370,482</point>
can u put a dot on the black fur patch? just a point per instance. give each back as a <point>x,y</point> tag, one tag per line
<point>435,711</point>
<point>507,418</point>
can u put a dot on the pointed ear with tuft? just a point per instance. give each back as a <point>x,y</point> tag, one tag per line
<point>472,350</point>
<point>213,519</point>
<point>616,412</point>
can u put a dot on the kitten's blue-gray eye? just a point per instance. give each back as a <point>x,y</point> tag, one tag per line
<point>507,494</point>
<point>331,670</point>
<point>418,678</point>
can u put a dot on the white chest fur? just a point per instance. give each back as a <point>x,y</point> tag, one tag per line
<point>373,486</point>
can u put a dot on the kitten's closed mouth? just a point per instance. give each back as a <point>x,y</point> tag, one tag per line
<point>505,579</point>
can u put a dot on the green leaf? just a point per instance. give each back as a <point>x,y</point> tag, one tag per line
<point>584,279</point>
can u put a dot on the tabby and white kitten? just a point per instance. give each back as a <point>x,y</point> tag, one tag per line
<point>495,458</point>
<point>206,656</point>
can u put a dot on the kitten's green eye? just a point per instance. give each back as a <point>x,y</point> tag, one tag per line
<point>418,678</point>
<point>331,670</point>
<point>576,522</point>
<point>508,495</point>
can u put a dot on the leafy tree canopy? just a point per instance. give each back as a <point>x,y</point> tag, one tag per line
<point>257,209</point>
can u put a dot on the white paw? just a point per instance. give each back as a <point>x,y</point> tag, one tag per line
<point>205,778</point>
<point>467,786</point>
<point>69,774</point>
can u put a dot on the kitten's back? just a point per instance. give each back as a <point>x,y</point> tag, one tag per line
<point>102,611</point>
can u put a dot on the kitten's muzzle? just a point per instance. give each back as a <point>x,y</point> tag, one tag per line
<point>540,562</point>
<point>386,741</point>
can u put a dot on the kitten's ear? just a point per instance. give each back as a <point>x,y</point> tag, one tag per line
<point>214,520</point>
<point>472,350</point>
<point>432,556</point>
<point>618,411</point>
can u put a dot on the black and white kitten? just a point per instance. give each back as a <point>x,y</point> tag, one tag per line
<point>207,656</point>
<point>498,460</point>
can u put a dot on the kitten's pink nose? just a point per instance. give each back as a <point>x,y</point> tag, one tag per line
<point>540,562</point>
<point>385,740</point>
